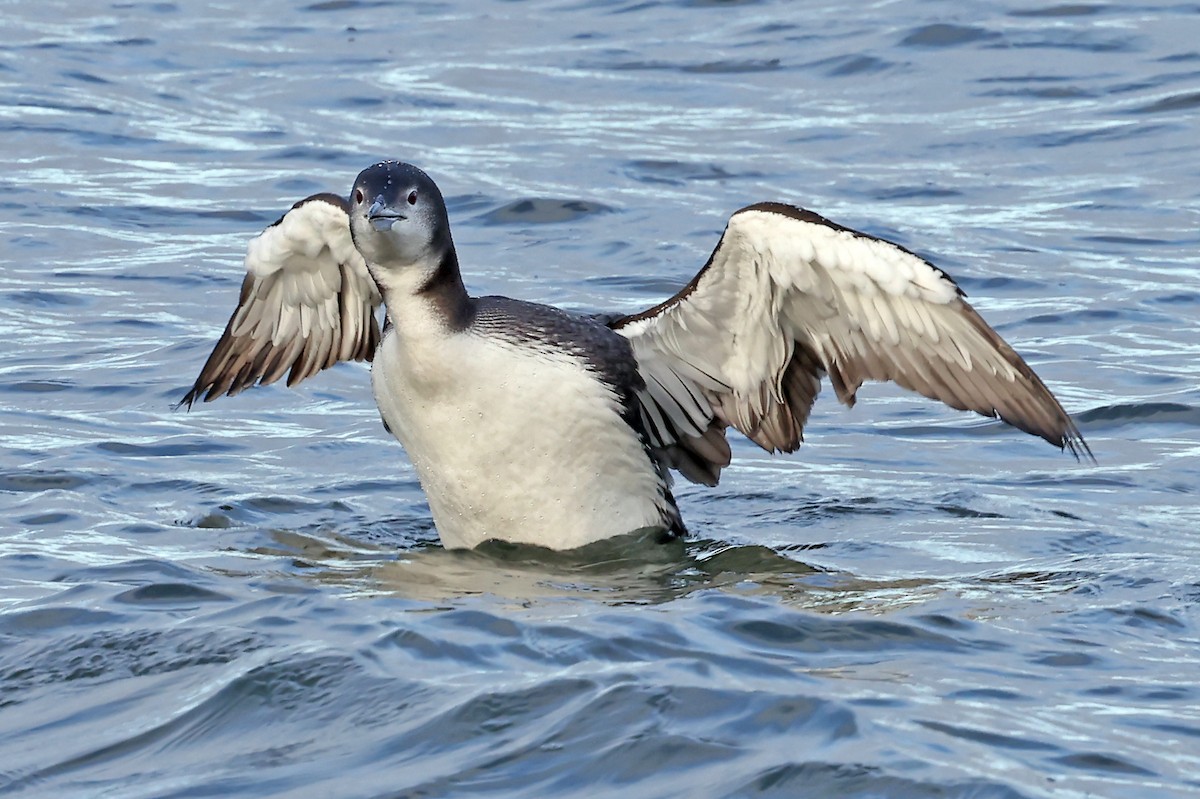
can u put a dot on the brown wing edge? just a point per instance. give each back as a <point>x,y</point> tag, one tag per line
<point>230,370</point>
<point>217,377</point>
<point>1029,406</point>
<point>1048,421</point>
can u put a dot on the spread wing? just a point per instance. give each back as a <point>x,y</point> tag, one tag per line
<point>788,297</point>
<point>307,302</point>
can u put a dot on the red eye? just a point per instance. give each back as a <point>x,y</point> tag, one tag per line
<point>412,198</point>
<point>358,195</point>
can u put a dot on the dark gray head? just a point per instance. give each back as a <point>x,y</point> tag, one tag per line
<point>398,218</point>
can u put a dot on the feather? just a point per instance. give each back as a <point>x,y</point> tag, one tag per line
<point>301,308</point>
<point>788,297</point>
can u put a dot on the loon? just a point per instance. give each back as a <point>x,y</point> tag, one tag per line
<point>529,424</point>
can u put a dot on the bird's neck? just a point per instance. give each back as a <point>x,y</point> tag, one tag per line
<point>432,292</point>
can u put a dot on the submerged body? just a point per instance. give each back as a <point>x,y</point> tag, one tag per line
<point>529,424</point>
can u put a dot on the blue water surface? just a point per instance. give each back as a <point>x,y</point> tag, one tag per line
<point>249,600</point>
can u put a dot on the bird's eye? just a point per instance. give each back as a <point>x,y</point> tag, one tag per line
<point>412,198</point>
<point>358,195</point>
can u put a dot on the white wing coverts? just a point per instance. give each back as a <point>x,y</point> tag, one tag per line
<point>307,302</point>
<point>788,297</point>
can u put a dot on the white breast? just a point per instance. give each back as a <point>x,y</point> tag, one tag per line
<point>512,442</point>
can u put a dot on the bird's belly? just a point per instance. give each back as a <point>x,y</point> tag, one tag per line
<point>513,444</point>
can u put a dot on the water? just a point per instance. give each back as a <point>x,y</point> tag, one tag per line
<point>249,600</point>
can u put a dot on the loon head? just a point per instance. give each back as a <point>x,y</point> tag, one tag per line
<point>399,222</point>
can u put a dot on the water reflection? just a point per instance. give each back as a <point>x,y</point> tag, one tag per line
<point>634,569</point>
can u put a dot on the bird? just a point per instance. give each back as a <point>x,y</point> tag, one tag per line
<point>534,425</point>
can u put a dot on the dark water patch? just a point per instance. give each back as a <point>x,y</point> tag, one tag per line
<point>168,449</point>
<point>816,780</point>
<point>177,485</point>
<point>142,528</point>
<point>848,65</point>
<point>1178,102</point>
<point>960,512</point>
<point>818,635</point>
<point>157,217</point>
<point>1000,283</point>
<point>1180,693</point>
<point>1088,314</point>
<point>776,28</point>
<point>678,173</point>
<point>989,694</point>
<point>1101,763</point>
<point>829,507</point>
<point>37,480</point>
<point>298,188</point>
<point>142,325</point>
<point>170,594</point>
<point>27,623</point>
<point>40,298</point>
<point>326,155</point>
<point>136,570</point>
<point>610,555</point>
<point>718,3</point>
<point>1066,580</point>
<point>988,738</point>
<point>1138,242</point>
<point>212,521</point>
<point>1064,10</point>
<point>1084,41</point>
<point>542,210</point>
<point>426,649</point>
<point>928,192</point>
<point>1101,133</point>
<point>86,77</point>
<point>1089,541</point>
<point>1113,417</point>
<point>1170,728</point>
<point>49,519</point>
<point>1138,618</point>
<point>1045,93</point>
<point>88,138</point>
<point>359,102</point>
<point>650,648</point>
<point>878,701</point>
<point>111,654</point>
<point>1178,298</point>
<point>1066,660</point>
<point>944,622</point>
<point>346,5</point>
<point>638,284</point>
<point>364,487</point>
<point>749,560</point>
<point>724,67</point>
<point>1176,58</point>
<point>37,386</point>
<point>427,102</point>
<point>266,135</point>
<point>946,35</point>
<point>253,510</point>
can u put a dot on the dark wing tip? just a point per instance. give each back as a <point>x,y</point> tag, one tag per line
<point>1071,440</point>
<point>189,399</point>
